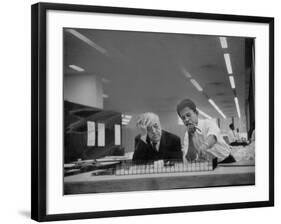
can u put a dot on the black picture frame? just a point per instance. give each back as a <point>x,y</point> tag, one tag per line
<point>39,110</point>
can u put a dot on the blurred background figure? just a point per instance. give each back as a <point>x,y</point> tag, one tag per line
<point>234,137</point>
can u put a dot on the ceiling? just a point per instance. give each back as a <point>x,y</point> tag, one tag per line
<point>143,71</point>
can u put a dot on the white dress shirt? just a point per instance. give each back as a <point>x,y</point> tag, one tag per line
<point>205,128</point>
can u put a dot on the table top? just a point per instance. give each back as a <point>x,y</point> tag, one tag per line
<point>223,175</point>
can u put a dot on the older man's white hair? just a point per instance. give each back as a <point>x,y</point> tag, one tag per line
<point>148,119</point>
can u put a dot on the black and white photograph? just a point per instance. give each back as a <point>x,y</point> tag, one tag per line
<point>132,111</point>
<point>141,111</point>
<point>158,111</point>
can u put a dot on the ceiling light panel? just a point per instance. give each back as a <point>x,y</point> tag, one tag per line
<point>77,68</point>
<point>237,106</point>
<point>228,63</point>
<point>232,83</point>
<point>223,42</point>
<point>196,85</point>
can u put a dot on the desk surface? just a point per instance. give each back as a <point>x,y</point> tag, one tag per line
<point>221,176</point>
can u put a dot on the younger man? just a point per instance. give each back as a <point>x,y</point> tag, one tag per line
<point>202,137</point>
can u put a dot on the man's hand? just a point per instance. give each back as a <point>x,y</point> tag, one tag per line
<point>204,154</point>
<point>142,125</point>
<point>143,129</point>
<point>191,128</point>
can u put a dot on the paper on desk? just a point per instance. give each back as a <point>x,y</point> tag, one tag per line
<point>113,158</point>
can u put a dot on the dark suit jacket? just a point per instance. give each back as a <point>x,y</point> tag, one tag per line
<point>169,148</point>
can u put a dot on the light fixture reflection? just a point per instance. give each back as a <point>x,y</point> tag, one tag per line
<point>228,63</point>
<point>223,42</point>
<point>217,108</point>
<point>237,106</point>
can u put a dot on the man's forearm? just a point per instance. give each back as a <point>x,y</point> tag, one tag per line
<point>211,141</point>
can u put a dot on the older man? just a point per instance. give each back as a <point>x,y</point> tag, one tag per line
<point>153,143</point>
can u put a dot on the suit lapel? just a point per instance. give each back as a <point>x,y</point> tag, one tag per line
<point>162,141</point>
<point>149,144</point>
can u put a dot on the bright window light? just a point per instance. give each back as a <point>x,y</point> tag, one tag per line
<point>228,63</point>
<point>126,120</point>
<point>217,108</point>
<point>125,123</point>
<point>196,84</point>
<point>223,42</point>
<point>237,106</point>
<point>77,68</point>
<point>232,83</point>
<point>128,116</point>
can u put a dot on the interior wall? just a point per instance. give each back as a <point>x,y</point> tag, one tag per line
<point>83,89</point>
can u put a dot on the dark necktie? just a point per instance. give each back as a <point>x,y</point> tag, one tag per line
<point>154,146</point>
<point>192,151</point>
